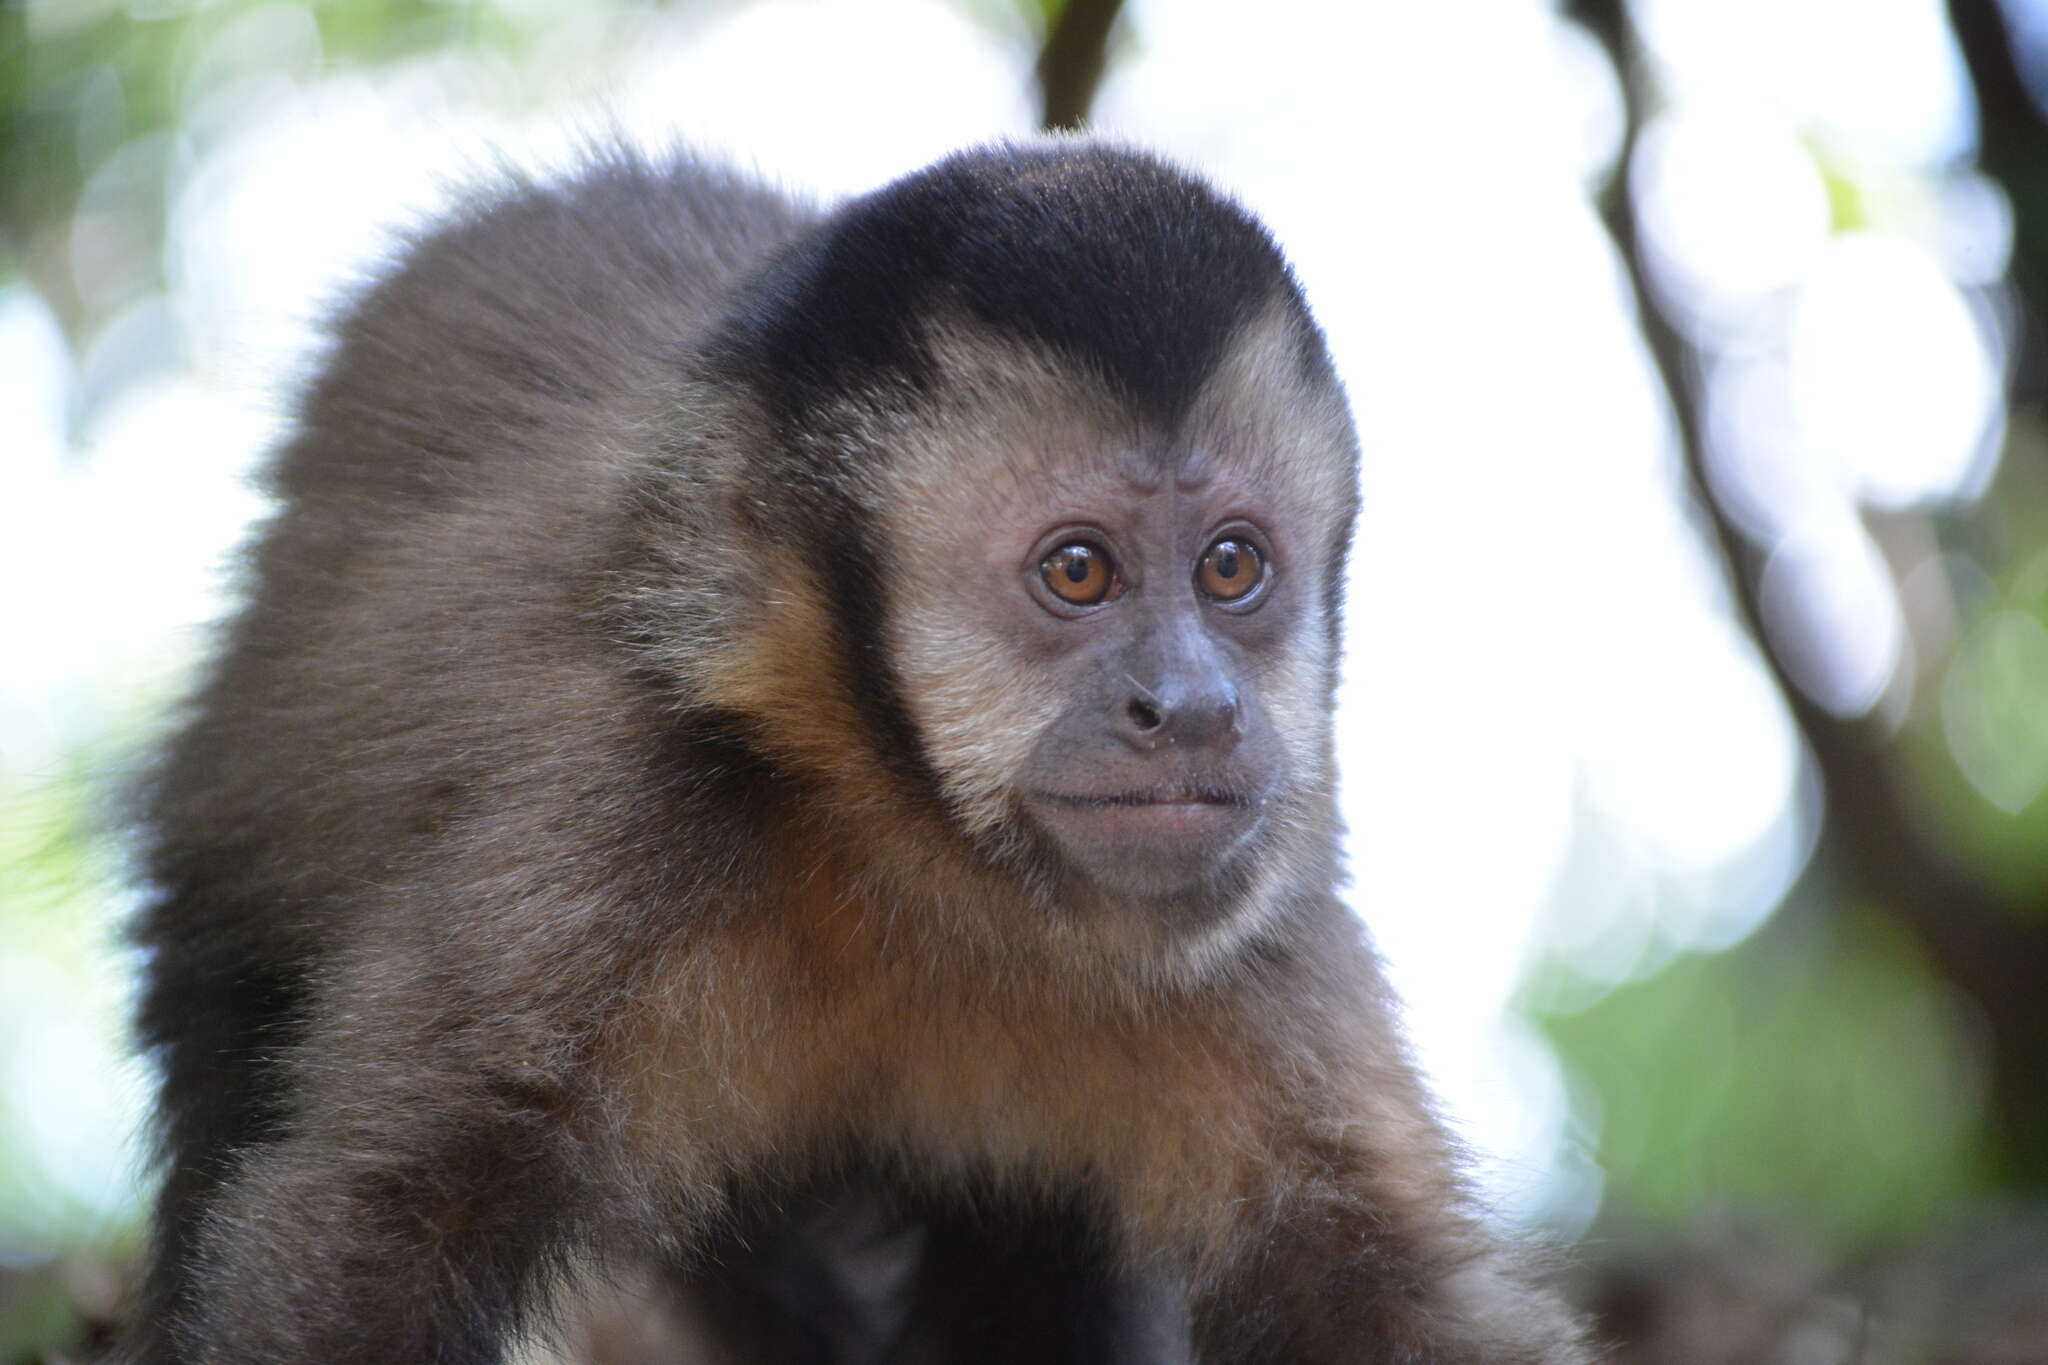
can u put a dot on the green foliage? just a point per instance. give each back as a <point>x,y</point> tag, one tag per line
<point>1850,198</point>
<point>36,1317</point>
<point>91,86</point>
<point>1817,1072</point>
<point>1981,760</point>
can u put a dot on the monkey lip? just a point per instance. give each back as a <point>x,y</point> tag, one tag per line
<point>1152,813</point>
<point>1180,795</point>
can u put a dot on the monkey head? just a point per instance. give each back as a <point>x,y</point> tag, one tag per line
<point>1056,444</point>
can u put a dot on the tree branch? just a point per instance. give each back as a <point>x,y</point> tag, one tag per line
<point>1071,64</point>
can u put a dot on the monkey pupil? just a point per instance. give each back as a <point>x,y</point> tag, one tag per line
<point>1226,561</point>
<point>1077,566</point>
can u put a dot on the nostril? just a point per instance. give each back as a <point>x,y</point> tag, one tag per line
<point>1143,714</point>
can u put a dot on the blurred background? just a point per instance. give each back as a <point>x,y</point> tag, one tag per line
<point>1695,727</point>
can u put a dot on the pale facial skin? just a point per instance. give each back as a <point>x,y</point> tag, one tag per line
<point>1124,619</point>
<point>1108,634</point>
<point>1151,606</point>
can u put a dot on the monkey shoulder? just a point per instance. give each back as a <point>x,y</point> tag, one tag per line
<point>544,321</point>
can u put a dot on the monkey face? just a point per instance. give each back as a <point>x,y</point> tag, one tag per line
<point>1150,612</point>
<point>1115,639</point>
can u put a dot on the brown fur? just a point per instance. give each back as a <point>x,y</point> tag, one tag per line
<point>604,841</point>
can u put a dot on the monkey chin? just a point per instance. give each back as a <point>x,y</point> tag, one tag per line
<point>1150,842</point>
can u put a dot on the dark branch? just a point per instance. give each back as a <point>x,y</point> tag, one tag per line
<point>2012,144</point>
<point>1071,64</point>
<point>2009,123</point>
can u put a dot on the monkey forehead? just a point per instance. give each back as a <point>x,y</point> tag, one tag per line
<point>1106,257</point>
<point>1010,435</point>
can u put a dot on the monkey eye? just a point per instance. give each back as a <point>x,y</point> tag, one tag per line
<point>1230,570</point>
<point>1080,574</point>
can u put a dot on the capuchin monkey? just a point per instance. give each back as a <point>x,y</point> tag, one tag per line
<point>794,747</point>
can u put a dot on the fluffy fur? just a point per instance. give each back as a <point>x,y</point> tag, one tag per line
<point>602,840</point>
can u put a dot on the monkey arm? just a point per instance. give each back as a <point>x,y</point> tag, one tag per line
<point>413,1209</point>
<point>1339,1229</point>
<point>1359,1252</point>
<point>320,1253</point>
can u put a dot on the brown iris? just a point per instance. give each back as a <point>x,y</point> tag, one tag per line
<point>1079,574</point>
<point>1230,570</point>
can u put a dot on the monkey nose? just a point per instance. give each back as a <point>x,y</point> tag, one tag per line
<point>1205,717</point>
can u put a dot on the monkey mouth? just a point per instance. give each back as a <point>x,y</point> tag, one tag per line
<point>1151,796</point>
<point>1129,828</point>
